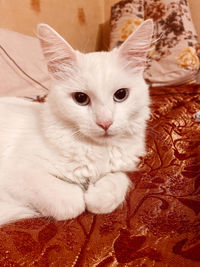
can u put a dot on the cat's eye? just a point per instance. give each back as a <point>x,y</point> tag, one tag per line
<point>121,95</point>
<point>81,98</point>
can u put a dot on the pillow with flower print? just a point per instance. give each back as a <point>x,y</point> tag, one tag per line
<point>173,57</point>
<point>126,16</point>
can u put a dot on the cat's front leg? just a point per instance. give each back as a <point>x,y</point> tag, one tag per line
<point>107,193</point>
<point>43,193</point>
<point>59,199</point>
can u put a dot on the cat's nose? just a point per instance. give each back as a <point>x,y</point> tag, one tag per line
<point>105,124</point>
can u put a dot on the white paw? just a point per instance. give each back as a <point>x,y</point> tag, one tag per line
<point>65,202</point>
<point>107,194</point>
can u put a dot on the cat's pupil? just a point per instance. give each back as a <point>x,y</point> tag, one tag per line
<point>121,95</point>
<point>81,98</point>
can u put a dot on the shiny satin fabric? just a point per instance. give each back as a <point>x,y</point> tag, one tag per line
<point>159,223</point>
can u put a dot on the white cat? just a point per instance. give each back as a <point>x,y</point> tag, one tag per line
<point>71,152</point>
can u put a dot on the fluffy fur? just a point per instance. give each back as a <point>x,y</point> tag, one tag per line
<point>56,159</point>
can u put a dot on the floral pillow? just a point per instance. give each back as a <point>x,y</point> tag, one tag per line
<point>173,57</point>
<point>126,16</point>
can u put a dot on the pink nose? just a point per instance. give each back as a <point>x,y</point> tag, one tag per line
<point>105,124</point>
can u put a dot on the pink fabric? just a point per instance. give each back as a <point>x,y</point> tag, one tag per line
<point>27,54</point>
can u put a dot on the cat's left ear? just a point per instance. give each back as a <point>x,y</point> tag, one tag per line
<point>134,50</point>
<point>60,56</point>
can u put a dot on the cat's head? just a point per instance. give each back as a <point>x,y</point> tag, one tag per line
<point>100,95</point>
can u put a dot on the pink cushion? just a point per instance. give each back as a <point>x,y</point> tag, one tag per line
<point>26,52</point>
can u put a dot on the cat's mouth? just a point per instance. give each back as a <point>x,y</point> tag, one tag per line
<point>103,136</point>
<point>107,135</point>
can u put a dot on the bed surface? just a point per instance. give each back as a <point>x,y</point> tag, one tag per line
<point>159,225</point>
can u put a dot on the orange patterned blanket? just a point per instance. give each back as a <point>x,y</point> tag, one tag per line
<point>159,225</point>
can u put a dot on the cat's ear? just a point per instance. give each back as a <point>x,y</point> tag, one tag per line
<point>134,50</point>
<point>60,56</point>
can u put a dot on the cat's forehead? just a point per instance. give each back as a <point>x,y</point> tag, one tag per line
<point>101,74</point>
<point>101,70</point>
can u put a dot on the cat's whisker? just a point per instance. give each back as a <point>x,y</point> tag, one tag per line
<point>76,133</point>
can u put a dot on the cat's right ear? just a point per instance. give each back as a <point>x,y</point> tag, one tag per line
<point>60,56</point>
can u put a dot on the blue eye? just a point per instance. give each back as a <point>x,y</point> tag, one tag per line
<point>121,95</point>
<point>81,98</point>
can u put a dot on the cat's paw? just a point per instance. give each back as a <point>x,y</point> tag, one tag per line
<point>64,203</point>
<point>107,194</point>
<point>71,205</point>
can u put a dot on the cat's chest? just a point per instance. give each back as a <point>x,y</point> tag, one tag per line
<point>84,164</point>
<point>89,164</point>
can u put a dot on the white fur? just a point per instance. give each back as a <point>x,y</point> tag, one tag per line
<point>54,158</point>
